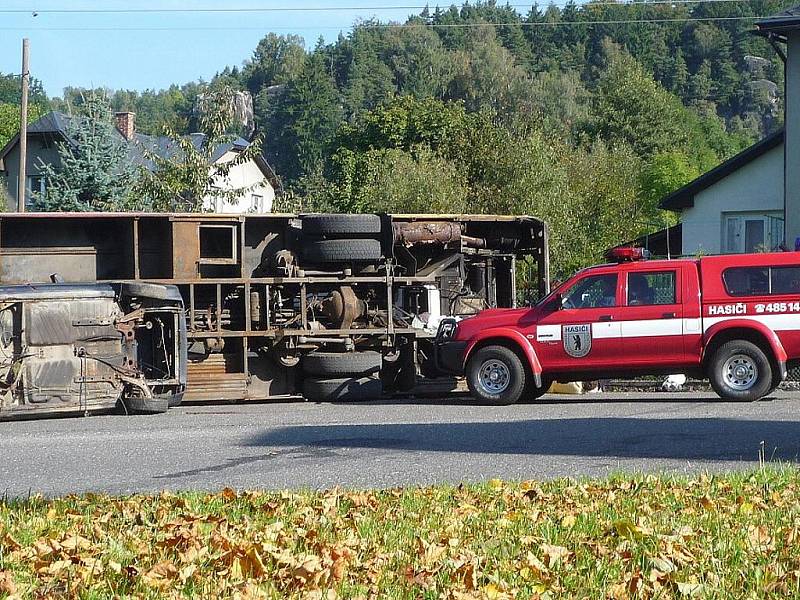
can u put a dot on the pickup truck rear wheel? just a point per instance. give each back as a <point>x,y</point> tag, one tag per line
<point>495,375</point>
<point>739,370</point>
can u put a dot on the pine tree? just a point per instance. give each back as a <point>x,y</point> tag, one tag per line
<point>305,120</point>
<point>93,173</point>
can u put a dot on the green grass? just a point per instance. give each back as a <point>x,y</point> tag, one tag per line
<point>733,536</point>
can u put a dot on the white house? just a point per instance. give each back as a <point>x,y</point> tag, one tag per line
<point>736,207</point>
<point>254,176</point>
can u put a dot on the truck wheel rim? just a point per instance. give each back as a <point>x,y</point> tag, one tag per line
<point>740,372</point>
<point>494,377</point>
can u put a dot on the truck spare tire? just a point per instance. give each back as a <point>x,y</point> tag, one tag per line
<point>342,389</point>
<point>341,225</point>
<point>342,363</point>
<point>342,251</point>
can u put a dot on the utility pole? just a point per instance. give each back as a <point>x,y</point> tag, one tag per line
<point>23,129</point>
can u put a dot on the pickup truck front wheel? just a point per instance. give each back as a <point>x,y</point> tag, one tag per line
<point>739,370</point>
<point>495,375</point>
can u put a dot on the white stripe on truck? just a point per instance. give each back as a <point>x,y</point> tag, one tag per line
<point>668,327</point>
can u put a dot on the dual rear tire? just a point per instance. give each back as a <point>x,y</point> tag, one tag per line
<point>341,239</point>
<point>342,376</point>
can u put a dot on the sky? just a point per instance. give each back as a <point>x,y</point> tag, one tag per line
<point>138,51</point>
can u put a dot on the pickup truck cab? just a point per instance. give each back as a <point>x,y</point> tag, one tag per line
<point>734,319</point>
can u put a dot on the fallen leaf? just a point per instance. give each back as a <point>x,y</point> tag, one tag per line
<point>7,585</point>
<point>568,521</point>
<point>690,589</point>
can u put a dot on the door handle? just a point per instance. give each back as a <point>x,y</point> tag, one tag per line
<point>668,315</point>
<point>606,317</point>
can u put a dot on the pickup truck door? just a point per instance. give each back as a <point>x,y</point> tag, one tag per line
<point>582,334</point>
<point>652,316</point>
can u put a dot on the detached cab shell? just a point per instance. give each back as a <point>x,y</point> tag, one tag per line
<point>88,347</point>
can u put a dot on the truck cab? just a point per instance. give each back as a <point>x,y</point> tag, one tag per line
<point>731,318</point>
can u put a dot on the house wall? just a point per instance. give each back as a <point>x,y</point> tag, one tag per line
<point>792,120</point>
<point>756,187</point>
<point>243,176</point>
<point>39,149</point>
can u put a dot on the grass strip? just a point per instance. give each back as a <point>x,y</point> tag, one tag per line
<point>732,536</point>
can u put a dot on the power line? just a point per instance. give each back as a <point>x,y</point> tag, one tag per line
<point>400,25</point>
<point>273,9</point>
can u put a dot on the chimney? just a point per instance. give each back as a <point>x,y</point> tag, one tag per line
<point>126,124</point>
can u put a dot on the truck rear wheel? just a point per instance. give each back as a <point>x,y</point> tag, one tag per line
<point>341,225</point>
<point>342,363</point>
<point>345,389</point>
<point>342,251</point>
<point>495,375</point>
<point>739,370</point>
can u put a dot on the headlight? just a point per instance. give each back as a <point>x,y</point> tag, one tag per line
<point>447,330</point>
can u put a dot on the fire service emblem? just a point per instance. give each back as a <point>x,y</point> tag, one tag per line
<point>577,339</point>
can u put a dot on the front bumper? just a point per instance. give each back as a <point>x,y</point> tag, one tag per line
<point>450,357</point>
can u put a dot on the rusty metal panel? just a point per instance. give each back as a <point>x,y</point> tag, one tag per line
<point>209,380</point>
<point>35,265</point>
<point>185,249</point>
<point>52,323</point>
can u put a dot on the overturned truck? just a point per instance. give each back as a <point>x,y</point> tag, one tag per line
<point>144,310</point>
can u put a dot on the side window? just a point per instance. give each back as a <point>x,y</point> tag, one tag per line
<point>785,280</point>
<point>746,281</point>
<point>647,289</point>
<point>593,291</point>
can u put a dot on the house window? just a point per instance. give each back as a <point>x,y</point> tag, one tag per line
<point>256,203</point>
<point>35,186</point>
<point>752,232</point>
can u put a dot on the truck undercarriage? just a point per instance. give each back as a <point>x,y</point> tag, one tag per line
<point>325,306</point>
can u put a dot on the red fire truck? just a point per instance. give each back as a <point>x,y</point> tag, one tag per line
<point>733,319</point>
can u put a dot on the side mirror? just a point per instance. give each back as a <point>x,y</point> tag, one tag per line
<point>558,302</point>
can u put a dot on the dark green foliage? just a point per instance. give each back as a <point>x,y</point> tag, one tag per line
<point>302,119</point>
<point>93,173</point>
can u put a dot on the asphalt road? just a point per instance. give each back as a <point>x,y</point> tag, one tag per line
<point>390,443</point>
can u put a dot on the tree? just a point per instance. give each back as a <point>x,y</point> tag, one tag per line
<point>9,119</point>
<point>190,175</point>
<point>276,60</point>
<point>487,76</point>
<point>304,121</point>
<point>93,172</point>
<point>630,107</point>
<point>666,173</point>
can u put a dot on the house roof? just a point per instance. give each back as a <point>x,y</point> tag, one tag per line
<point>782,22</point>
<point>57,123</point>
<point>684,197</point>
<point>664,242</point>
